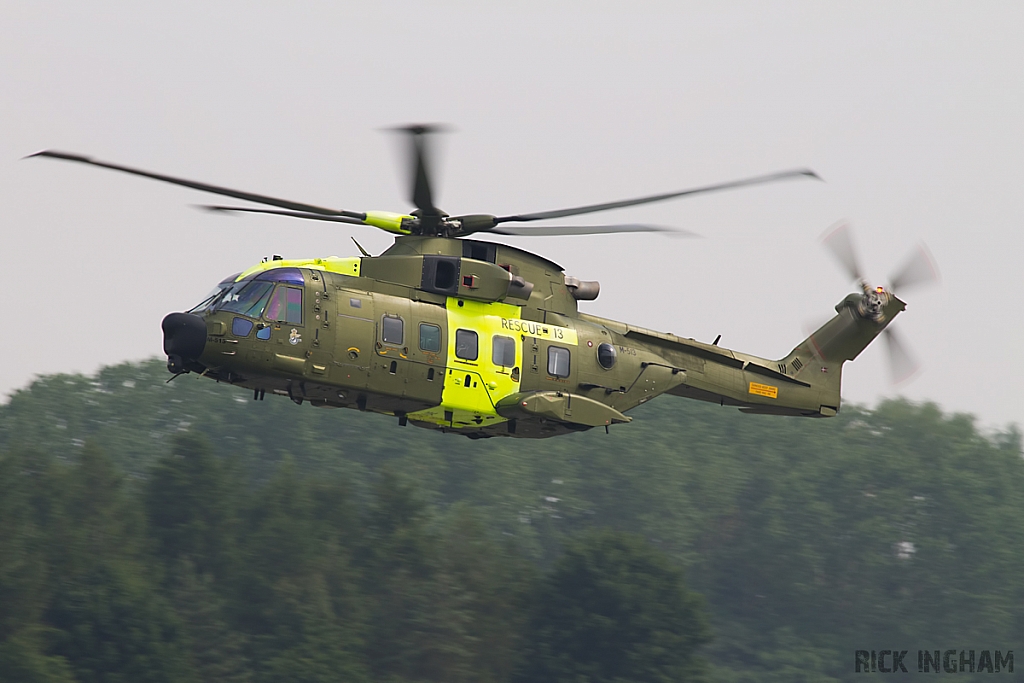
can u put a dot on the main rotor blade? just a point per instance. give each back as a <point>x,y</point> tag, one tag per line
<point>902,364</point>
<point>274,212</point>
<point>560,213</point>
<point>422,195</point>
<point>549,230</point>
<point>204,187</point>
<point>919,269</point>
<point>837,239</point>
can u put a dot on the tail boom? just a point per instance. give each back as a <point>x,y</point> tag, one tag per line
<point>807,381</point>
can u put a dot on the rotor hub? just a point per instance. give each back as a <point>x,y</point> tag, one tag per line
<point>873,302</point>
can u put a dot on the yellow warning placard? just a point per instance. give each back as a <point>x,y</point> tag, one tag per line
<point>764,390</point>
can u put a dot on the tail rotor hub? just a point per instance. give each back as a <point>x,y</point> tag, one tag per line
<point>873,302</point>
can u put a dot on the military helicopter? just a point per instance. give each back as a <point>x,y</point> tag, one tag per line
<point>483,339</point>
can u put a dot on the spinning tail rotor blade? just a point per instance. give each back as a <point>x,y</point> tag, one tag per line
<point>837,239</point>
<point>902,364</point>
<point>204,187</point>
<point>919,269</point>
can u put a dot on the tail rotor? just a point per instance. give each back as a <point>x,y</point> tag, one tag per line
<point>917,270</point>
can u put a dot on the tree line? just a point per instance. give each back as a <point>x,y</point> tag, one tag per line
<point>188,575</point>
<point>154,531</point>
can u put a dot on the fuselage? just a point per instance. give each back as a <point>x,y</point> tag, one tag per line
<point>465,336</point>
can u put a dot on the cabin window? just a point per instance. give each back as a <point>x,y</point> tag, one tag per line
<point>558,361</point>
<point>430,337</point>
<point>606,355</point>
<point>503,351</point>
<point>392,330</point>
<point>285,306</point>
<point>466,344</point>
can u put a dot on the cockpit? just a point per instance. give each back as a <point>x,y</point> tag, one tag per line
<point>274,294</point>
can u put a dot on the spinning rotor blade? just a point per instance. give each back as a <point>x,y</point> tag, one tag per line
<point>919,269</point>
<point>549,230</point>
<point>227,192</point>
<point>560,213</point>
<point>428,219</point>
<point>902,364</point>
<point>838,241</point>
<point>422,195</point>
<point>274,212</point>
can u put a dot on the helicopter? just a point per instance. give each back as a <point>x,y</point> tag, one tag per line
<point>483,339</point>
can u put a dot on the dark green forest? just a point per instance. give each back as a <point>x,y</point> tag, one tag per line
<point>154,531</point>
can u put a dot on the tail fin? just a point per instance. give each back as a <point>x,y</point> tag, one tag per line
<point>818,360</point>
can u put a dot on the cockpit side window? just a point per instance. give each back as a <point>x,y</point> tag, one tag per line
<point>285,306</point>
<point>276,308</point>
<point>294,306</point>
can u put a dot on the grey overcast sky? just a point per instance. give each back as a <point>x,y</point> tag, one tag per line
<point>913,112</point>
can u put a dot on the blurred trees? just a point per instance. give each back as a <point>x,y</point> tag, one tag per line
<point>615,609</point>
<point>180,532</point>
<point>192,576</point>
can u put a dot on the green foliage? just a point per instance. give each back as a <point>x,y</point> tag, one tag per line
<point>296,592</point>
<point>24,589</point>
<point>190,507</point>
<point>154,531</point>
<point>214,650</point>
<point>23,660</point>
<point>615,610</point>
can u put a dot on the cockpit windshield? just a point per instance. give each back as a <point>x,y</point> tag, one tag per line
<point>249,297</point>
<point>210,299</point>
<point>292,276</point>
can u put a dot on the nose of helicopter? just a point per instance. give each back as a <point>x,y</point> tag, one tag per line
<point>184,339</point>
